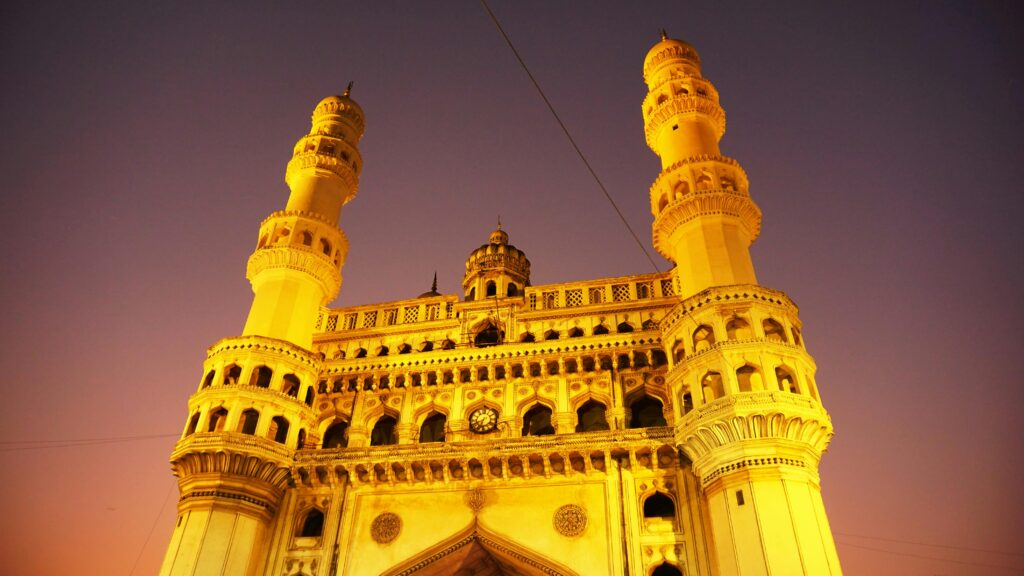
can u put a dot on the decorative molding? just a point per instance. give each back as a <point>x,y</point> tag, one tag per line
<point>385,528</point>
<point>570,520</point>
<point>301,259</point>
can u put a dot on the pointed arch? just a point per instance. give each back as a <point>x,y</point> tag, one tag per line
<point>510,556</point>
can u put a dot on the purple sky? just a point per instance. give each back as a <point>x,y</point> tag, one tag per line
<point>144,143</point>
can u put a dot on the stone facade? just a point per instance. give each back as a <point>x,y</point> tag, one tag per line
<point>646,425</point>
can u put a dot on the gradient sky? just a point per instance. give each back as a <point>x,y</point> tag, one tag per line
<point>142,144</point>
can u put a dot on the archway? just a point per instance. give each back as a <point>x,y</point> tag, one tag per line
<point>478,551</point>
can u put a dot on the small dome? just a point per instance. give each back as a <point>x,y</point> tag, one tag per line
<point>669,49</point>
<point>433,289</point>
<point>339,110</point>
<point>499,236</point>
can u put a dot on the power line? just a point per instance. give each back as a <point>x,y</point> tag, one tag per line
<point>27,445</point>
<point>152,528</point>
<point>947,546</point>
<point>923,557</point>
<point>568,135</point>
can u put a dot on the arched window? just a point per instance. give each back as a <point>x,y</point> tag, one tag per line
<point>643,291</point>
<point>489,335</point>
<point>261,377</point>
<point>217,420</point>
<point>623,362</point>
<point>662,98</point>
<point>248,422</point>
<point>537,421</point>
<point>551,335</point>
<point>687,403</point>
<point>649,325</point>
<point>738,329</point>
<point>703,338</point>
<point>482,374</point>
<point>278,429</point>
<point>309,394</point>
<point>300,443</point>
<point>432,429</point>
<point>448,344</point>
<point>325,247</point>
<point>312,524</point>
<point>426,346</point>
<point>659,505</point>
<point>232,374</point>
<point>679,351</point>
<point>513,290</point>
<point>472,294</point>
<point>307,238</point>
<point>658,358</point>
<point>711,384</point>
<point>404,349</point>
<point>383,351</point>
<point>666,570</point>
<point>492,289</point>
<point>662,202</point>
<point>291,385</point>
<point>209,378</point>
<point>774,331</point>
<point>796,336</point>
<point>600,329</point>
<point>336,435</point>
<point>749,379</point>
<point>605,362</point>
<point>590,417</point>
<point>624,327</point>
<point>786,380</point>
<point>646,412</point>
<point>639,359</point>
<point>527,337</point>
<point>192,425</point>
<point>575,332</point>
<point>360,353</point>
<point>383,433</point>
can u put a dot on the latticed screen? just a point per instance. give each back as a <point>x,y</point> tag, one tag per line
<point>533,301</point>
<point>551,299</point>
<point>644,290</point>
<point>390,316</point>
<point>620,292</point>
<point>666,288</point>
<point>432,311</point>
<point>573,298</point>
<point>369,319</point>
<point>350,321</point>
<point>448,310</point>
<point>596,295</point>
<point>411,315</point>
<point>332,323</point>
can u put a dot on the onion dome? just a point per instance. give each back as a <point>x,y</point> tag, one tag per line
<point>669,51</point>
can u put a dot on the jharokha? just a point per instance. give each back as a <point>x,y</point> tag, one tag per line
<point>643,425</point>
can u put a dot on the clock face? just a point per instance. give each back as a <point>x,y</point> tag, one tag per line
<point>483,420</point>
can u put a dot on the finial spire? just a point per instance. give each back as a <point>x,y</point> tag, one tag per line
<point>348,89</point>
<point>499,221</point>
<point>664,35</point>
<point>433,287</point>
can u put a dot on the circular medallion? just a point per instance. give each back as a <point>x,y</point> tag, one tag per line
<point>570,520</point>
<point>385,527</point>
<point>483,420</point>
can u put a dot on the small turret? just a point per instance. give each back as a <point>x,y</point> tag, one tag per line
<point>496,269</point>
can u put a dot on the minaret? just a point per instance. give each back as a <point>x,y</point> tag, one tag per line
<point>254,406</point>
<point>704,219</point>
<point>296,268</point>
<point>748,414</point>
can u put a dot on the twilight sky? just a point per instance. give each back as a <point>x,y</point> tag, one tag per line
<point>142,144</point>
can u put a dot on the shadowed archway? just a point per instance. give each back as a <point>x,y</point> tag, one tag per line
<point>476,551</point>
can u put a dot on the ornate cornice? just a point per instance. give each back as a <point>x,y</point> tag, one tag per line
<point>771,419</point>
<point>705,203</point>
<point>314,161</point>
<point>262,344</point>
<point>577,454</point>
<point>299,258</point>
<point>683,104</point>
<point>725,295</point>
